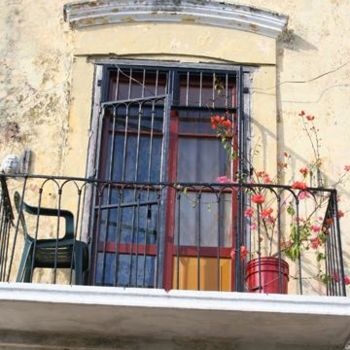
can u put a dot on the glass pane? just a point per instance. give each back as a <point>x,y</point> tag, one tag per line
<point>195,122</point>
<point>133,271</point>
<point>201,160</point>
<point>130,222</point>
<point>201,220</point>
<point>207,89</point>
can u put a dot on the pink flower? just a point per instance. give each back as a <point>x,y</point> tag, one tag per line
<point>253,227</point>
<point>258,198</point>
<point>249,212</point>
<point>310,117</point>
<point>347,167</point>
<point>315,242</point>
<point>300,220</point>
<point>270,220</point>
<point>303,195</point>
<point>347,280</point>
<point>267,179</point>
<point>286,244</point>
<point>304,171</point>
<point>315,228</point>
<point>244,252</point>
<point>223,180</point>
<point>299,185</point>
<point>335,277</point>
<point>340,214</point>
<point>302,113</point>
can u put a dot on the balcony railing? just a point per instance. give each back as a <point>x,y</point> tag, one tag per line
<point>224,237</point>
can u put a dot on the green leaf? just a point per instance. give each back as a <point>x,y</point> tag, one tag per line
<point>320,256</point>
<point>291,210</point>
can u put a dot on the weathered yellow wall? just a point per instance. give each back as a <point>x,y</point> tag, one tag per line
<point>46,81</point>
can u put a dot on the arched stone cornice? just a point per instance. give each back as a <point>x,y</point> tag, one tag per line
<point>205,12</point>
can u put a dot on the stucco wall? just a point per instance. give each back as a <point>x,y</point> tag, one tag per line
<point>46,80</point>
<point>35,75</point>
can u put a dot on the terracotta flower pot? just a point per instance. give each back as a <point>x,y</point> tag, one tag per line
<point>274,275</point>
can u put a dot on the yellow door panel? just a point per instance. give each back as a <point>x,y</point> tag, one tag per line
<point>188,276</point>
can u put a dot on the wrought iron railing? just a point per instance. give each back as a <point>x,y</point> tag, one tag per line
<point>225,237</point>
<point>6,222</point>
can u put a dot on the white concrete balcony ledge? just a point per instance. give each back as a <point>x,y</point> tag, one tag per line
<point>82,317</point>
<point>204,12</point>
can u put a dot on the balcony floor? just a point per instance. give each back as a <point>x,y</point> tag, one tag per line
<point>82,317</point>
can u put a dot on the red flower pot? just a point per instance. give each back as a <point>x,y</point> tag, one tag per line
<point>274,275</point>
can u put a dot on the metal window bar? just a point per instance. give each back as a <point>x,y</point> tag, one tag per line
<point>154,102</point>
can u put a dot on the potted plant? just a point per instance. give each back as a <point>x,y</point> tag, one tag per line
<point>266,255</point>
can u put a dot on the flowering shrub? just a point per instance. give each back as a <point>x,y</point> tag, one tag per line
<point>308,232</point>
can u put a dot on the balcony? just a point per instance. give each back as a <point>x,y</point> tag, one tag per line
<point>169,252</point>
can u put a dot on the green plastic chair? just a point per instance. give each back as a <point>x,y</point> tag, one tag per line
<point>47,250</point>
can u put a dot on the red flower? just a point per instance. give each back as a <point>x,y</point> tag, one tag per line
<point>347,168</point>
<point>310,117</point>
<point>302,113</point>
<point>266,213</point>
<point>329,221</point>
<point>340,214</point>
<point>315,242</point>
<point>226,123</point>
<point>217,121</point>
<point>299,185</point>
<point>249,212</point>
<point>258,198</point>
<point>304,171</point>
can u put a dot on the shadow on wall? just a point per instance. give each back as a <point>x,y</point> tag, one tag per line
<point>291,41</point>
<point>266,133</point>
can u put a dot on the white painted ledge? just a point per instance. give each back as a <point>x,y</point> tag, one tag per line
<point>32,311</point>
<point>177,299</point>
<point>205,12</point>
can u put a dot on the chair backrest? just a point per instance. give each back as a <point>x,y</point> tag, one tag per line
<point>67,215</point>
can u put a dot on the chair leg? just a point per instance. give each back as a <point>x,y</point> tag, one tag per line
<point>25,268</point>
<point>78,265</point>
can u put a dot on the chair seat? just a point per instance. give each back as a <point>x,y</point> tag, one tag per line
<point>47,255</point>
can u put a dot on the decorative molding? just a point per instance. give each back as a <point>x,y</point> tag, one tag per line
<point>204,12</point>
